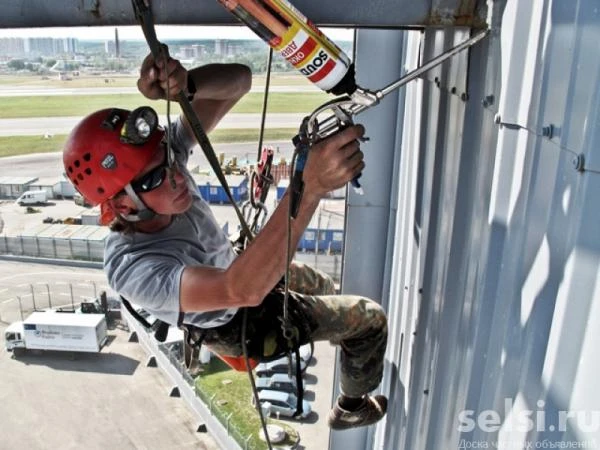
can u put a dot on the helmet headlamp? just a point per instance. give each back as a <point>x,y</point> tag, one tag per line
<point>142,127</point>
<point>139,126</point>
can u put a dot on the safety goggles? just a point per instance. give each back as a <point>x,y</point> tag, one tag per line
<point>153,179</point>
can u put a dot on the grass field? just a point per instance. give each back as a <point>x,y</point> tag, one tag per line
<point>23,145</point>
<point>228,394</point>
<point>52,82</point>
<point>121,80</point>
<point>80,105</point>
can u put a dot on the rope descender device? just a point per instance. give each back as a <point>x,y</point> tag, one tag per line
<point>261,178</point>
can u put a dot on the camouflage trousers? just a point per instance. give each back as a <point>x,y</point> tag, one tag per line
<point>357,324</point>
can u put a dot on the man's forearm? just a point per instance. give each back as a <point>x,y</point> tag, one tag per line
<point>267,253</point>
<point>251,276</point>
<point>221,81</point>
<point>218,88</point>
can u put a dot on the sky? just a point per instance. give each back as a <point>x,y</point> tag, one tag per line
<point>164,32</point>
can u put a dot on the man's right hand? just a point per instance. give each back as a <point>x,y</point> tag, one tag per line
<point>334,162</point>
<point>153,78</point>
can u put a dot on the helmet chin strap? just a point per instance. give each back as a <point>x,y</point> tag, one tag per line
<point>143,212</point>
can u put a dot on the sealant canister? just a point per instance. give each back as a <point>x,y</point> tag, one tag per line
<point>299,41</point>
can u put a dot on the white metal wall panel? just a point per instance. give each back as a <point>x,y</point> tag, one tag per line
<point>494,291</point>
<point>368,251</point>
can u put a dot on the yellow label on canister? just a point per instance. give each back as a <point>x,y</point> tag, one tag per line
<point>311,58</point>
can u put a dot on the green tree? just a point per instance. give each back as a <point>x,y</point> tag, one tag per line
<point>16,64</point>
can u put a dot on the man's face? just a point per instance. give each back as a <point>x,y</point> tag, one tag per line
<point>154,186</point>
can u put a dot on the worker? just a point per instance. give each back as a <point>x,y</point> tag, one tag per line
<point>167,253</point>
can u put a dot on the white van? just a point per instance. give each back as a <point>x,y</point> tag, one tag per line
<point>32,198</point>
<point>281,403</point>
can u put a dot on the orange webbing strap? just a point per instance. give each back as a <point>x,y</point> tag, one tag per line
<point>238,362</point>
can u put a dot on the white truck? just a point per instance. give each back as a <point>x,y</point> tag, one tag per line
<point>51,330</point>
<point>32,198</point>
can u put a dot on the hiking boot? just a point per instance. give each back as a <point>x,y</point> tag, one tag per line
<point>371,411</point>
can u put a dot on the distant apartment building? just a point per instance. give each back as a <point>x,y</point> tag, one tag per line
<point>12,47</point>
<point>66,45</point>
<point>234,49</point>
<point>186,52</point>
<point>198,50</point>
<point>34,47</point>
<point>191,52</point>
<point>227,48</point>
<point>39,46</point>
<point>220,47</point>
<point>110,48</point>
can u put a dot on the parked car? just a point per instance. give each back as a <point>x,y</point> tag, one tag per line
<point>277,382</point>
<point>280,365</point>
<point>282,403</point>
<point>80,200</point>
<point>306,352</point>
<point>32,198</point>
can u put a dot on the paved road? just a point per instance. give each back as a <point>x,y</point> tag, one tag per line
<point>40,126</point>
<point>50,164</point>
<point>38,165</point>
<point>33,91</point>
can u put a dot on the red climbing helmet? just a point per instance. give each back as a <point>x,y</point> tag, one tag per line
<point>109,148</point>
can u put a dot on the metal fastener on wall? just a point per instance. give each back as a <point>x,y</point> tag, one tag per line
<point>488,100</point>
<point>578,162</point>
<point>548,131</point>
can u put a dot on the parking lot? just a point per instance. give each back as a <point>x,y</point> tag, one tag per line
<point>112,395</point>
<point>14,219</point>
<point>110,399</point>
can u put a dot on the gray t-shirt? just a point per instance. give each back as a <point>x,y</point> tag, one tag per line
<point>146,268</point>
